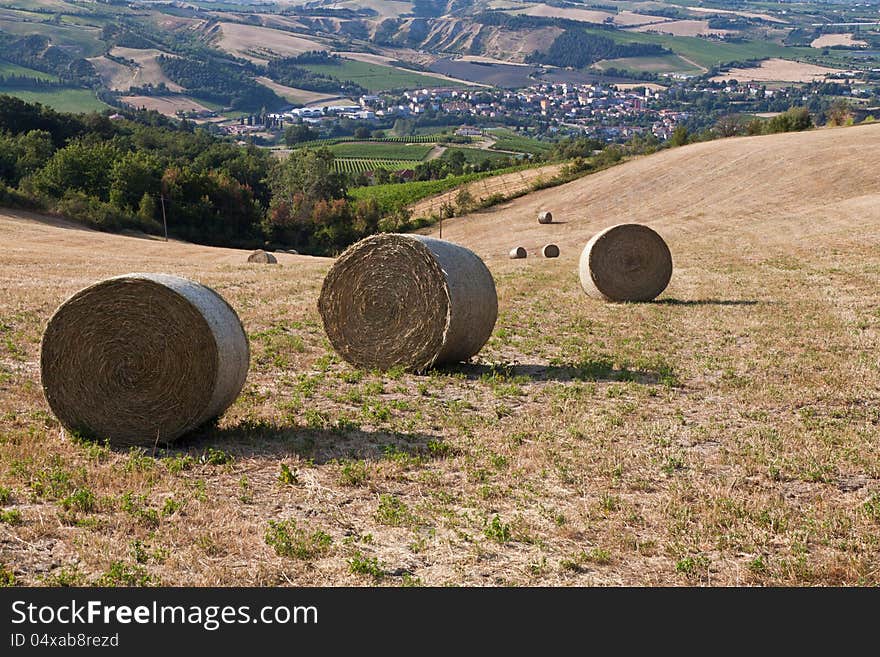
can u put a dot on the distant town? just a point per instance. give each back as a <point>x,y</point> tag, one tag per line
<point>610,112</point>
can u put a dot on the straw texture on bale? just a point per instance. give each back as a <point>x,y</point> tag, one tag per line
<point>627,262</point>
<point>407,300</point>
<point>262,256</point>
<point>142,359</point>
<point>517,253</point>
<point>545,217</point>
<point>550,251</point>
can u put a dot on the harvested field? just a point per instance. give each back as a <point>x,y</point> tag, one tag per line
<point>625,18</point>
<point>723,435</point>
<point>479,59</point>
<point>167,105</point>
<point>778,70</point>
<point>121,77</point>
<point>745,14</point>
<point>260,44</point>
<point>298,96</point>
<point>505,184</point>
<point>827,40</point>
<point>637,85</point>
<point>682,28</point>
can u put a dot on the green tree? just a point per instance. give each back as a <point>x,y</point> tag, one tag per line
<point>298,133</point>
<point>79,166</point>
<point>147,209</point>
<point>34,150</point>
<point>133,176</point>
<point>679,136</point>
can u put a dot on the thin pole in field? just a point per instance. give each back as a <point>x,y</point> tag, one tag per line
<point>164,220</point>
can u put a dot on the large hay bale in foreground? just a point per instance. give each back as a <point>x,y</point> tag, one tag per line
<point>627,262</point>
<point>407,300</point>
<point>142,358</point>
<point>550,251</point>
<point>263,257</point>
<point>545,217</point>
<point>518,253</point>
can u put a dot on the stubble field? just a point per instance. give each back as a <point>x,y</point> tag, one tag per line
<point>725,434</point>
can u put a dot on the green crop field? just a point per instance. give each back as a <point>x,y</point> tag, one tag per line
<point>409,139</point>
<point>707,53</point>
<point>8,68</point>
<point>381,150</point>
<point>356,165</point>
<point>375,77</point>
<point>62,100</point>
<point>507,140</point>
<point>667,64</point>
<point>86,40</point>
<point>399,195</point>
<point>476,155</point>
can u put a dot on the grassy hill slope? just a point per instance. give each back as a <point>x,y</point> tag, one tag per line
<point>726,434</point>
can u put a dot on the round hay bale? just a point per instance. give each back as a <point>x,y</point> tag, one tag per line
<point>545,217</point>
<point>262,256</point>
<point>142,359</point>
<point>627,262</point>
<point>407,300</point>
<point>550,251</point>
<point>518,253</point>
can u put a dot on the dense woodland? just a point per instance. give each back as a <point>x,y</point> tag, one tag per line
<point>577,49</point>
<point>219,83</point>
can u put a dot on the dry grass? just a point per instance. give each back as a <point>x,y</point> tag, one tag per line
<point>625,18</point>
<point>300,96</point>
<point>827,40</point>
<point>681,28</point>
<point>167,105</point>
<point>778,70</point>
<point>726,434</point>
<point>260,44</point>
<point>746,14</point>
<point>506,185</point>
<point>121,77</point>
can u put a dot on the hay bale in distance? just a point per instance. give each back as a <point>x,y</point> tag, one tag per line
<point>407,300</point>
<point>262,256</point>
<point>550,251</point>
<point>626,262</point>
<point>518,253</point>
<point>142,359</point>
<point>545,217</point>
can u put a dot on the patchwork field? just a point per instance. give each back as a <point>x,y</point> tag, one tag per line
<point>725,434</point>
<point>778,70</point>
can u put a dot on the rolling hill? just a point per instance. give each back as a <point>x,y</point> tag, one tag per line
<point>725,434</point>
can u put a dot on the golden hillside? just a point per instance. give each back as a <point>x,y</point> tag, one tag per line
<point>725,434</point>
